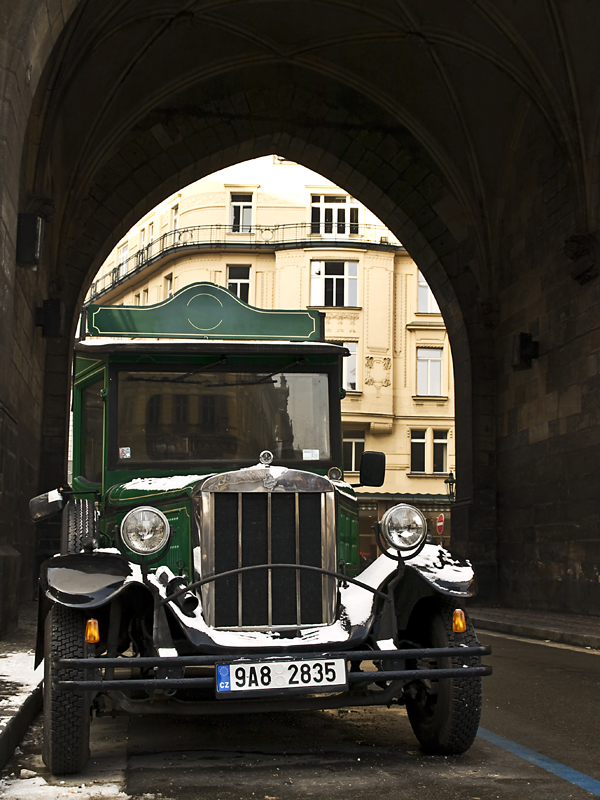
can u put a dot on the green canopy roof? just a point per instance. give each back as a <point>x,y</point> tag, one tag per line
<point>204,311</point>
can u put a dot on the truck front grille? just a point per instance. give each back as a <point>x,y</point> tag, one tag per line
<point>244,524</point>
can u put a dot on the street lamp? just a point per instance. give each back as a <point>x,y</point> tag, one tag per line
<point>450,483</point>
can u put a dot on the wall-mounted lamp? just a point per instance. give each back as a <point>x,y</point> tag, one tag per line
<point>524,351</point>
<point>30,238</point>
<point>450,484</point>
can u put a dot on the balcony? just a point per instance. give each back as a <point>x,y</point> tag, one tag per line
<point>273,237</point>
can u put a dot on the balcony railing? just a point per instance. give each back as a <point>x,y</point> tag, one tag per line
<point>272,237</point>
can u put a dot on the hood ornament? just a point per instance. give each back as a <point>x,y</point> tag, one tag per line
<point>265,458</point>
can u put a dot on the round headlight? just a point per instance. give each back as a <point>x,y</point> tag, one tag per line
<point>145,530</point>
<point>403,527</point>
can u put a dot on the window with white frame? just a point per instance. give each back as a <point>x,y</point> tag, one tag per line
<point>136,299</point>
<point>333,215</point>
<point>145,297</point>
<point>122,255</point>
<point>429,371</point>
<point>429,451</point>
<point>238,280</point>
<point>418,439</point>
<point>168,285</point>
<point>440,451</point>
<point>353,447</point>
<point>426,302</point>
<point>241,213</point>
<point>334,283</point>
<point>175,217</point>
<point>150,231</point>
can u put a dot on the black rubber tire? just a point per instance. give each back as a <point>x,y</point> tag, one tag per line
<point>446,723</point>
<point>78,524</point>
<point>66,746</point>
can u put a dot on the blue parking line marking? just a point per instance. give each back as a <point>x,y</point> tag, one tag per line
<point>555,767</point>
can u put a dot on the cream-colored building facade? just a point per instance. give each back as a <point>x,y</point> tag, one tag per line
<point>281,236</point>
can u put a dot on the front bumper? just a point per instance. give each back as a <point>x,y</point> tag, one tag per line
<point>167,679</point>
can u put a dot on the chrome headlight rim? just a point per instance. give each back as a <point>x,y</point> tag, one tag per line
<point>408,548</point>
<point>156,552</point>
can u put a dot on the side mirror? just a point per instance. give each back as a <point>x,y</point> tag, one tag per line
<point>372,468</point>
<point>46,505</point>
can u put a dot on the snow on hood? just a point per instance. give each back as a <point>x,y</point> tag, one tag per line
<point>168,484</point>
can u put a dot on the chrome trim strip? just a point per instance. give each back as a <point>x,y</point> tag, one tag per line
<point>329,561</point>
<point>297,534</point>
<point>269,573</point>
<point>207,539</point>
<point>253,479</point>
<point>240,564</point>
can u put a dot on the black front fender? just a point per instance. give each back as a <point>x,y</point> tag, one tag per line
<point>84,580</point>
<point>78,580</point>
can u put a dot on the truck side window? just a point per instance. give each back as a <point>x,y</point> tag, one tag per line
<point>92,425</point>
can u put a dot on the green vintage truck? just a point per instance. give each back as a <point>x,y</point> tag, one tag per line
<point>209,557</point>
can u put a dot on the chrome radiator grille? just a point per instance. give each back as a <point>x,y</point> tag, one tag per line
<point>257,517</point>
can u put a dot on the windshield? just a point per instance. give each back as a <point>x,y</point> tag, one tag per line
<point>221,416</point>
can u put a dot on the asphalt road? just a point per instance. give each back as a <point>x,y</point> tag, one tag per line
<point>543,697</point>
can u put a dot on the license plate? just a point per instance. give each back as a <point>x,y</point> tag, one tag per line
<point>300,677</point>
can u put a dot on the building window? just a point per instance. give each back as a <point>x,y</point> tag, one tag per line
<point>429,451</point>
<point>238,281</point>
<point>142,238</point>
<point>136,299</point>
<point>145,296</point>
<point>429,371</point>
<point>175,217</point>
<point>353,448</point>
<point>122,255</point>
<point>334,283</point>
<point>241,213</point>
<point>333,215</point>
<point>168,285</point>
<point>417,450</point>
<point>426,302</point>
<point>440,451</point>
<point>150,231</point>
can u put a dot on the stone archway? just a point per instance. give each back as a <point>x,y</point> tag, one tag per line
<point>334,131</point>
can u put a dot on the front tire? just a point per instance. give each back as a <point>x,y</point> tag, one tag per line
<point>66,746</point>
<point>446,721</point>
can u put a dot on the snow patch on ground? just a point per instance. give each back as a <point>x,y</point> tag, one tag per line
<point>17,670</point>
<point>37,789</point>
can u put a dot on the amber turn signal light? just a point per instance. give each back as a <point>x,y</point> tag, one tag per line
<point>459,622</point>
<point>92,631</point>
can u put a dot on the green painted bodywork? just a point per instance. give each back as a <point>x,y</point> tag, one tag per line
<point>204,311</point>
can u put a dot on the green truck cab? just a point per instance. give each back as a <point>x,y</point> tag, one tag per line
<point>209,554</point>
